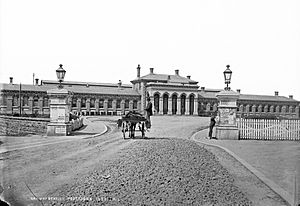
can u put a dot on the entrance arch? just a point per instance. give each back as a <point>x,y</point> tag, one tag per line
<point>156,102</point>
<point>174,103</point>
<point>192,98</point>
<point>165,103</point>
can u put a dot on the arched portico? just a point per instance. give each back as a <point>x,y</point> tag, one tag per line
<point>174,103</point>
<point>165,103</point>
<point>156,102</point>
<point>191,104</point>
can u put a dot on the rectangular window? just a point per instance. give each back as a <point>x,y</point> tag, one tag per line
<point>134,104</point>
<point>101,103</point>
<point>118,104</point>
<point>92,103</point>
<point>74,102</point>
<point>126,104</point>
<point>15,101</point>
<point>83,103</point>
<point>109,103</point>
<point>2,100</point>
<point>45,102</point>
<point>25,101</point>
<point>36,102</point>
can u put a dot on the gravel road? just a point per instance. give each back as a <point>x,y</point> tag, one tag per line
<point>165,169</point>
<point>155,172</point>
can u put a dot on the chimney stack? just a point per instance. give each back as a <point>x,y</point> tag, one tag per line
<point>203,89</point>
<point>276,93</point>
<point>238,91</point>
<point>151,70</point>
<point>11,80</point>
<point>291,96</point>
<point>169,77</point>
<point>36,81</point>
<point>189,77</point>
<point>119,84</point>
<point>138,71</point>
<point>177,72</point>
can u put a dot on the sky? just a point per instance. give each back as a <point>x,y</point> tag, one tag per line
<point>104,41</point>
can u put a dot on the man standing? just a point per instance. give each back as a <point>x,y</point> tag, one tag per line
<point>148,113</point>
<point>211,126</point>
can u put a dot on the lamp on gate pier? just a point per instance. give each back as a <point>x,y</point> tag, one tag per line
<point>227,77</point>
<point>60,73</point>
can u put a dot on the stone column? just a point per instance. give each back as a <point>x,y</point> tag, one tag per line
<point>227,127</point>
<point>178,106</point>
<point>187,106</point>
<point>170,106</point>
<point>195,106</point>
<point>59,113</point>
<point>161,106</point>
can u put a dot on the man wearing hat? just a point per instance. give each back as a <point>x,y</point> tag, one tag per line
<point>149,113</point>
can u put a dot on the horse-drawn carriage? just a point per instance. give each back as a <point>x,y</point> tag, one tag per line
<point>131,122</point>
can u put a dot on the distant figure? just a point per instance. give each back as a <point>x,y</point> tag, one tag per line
<point>211,126</point>
<point>149,113</point>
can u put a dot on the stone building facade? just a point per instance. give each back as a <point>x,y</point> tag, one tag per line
<point>170,94</point>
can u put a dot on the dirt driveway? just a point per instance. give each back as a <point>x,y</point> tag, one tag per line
<point>96,170</point>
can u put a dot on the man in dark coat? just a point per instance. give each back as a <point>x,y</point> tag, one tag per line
<point>211,126</point>
<point>149,113</point>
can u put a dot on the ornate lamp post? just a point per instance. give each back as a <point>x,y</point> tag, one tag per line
<point>59,108</point>
<point>227,125</point>
<point>60,73</point>
<point>227,76</point>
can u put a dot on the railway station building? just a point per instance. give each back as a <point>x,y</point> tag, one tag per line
<point>171,94</point>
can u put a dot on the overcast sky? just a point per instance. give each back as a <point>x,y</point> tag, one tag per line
<point>104,41</point>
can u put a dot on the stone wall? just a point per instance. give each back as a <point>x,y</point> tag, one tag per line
<point>20,126</point>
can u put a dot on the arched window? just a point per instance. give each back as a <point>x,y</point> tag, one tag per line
<point>182,103</point>
<point>174,103</point>
<point>35,101</point>
<point>192,99</point>
<point>156,102</point>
